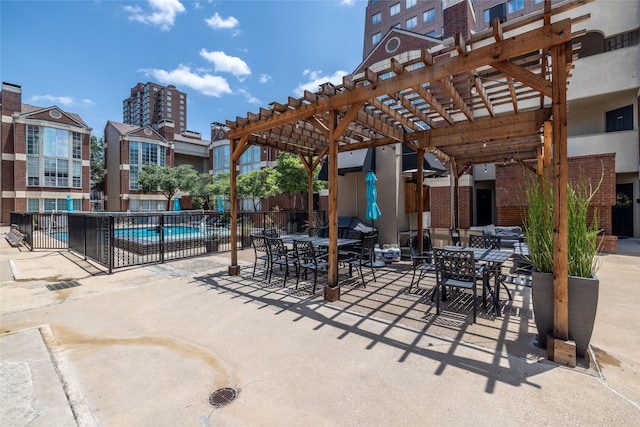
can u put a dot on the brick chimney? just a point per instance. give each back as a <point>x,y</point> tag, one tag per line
<point>166,128</point>
<point>11,99</point>
<point>458,18</point>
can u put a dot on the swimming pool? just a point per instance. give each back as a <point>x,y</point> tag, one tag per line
<point>174,231</point>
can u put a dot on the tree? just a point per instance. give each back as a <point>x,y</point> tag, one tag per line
<point>199,189</point>
<point>167,180</point>
<point>291,177</point>
<point>256,185</point>
<point>97,163</point>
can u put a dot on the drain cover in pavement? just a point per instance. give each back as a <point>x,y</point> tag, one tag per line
<point>65,284</point>
<point>223,396</point>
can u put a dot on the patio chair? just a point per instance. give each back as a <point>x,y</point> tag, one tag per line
<point>309,259</point>
<point>281,256</point>
<point>361,258</point>
<point>455,269</point>
<point>270,232</point>
<point>346,252</point>
<point>490,242</point>
<point>422,260</point>
<point>262,253</point>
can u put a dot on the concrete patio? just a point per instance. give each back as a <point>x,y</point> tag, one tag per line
<point>148,345</point>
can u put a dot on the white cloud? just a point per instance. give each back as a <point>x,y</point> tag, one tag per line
<point>65,101</point>
<point>163,13</point>
<point>182,76</point>
<point>316,78</point>
<point>250,98</point>
<point>347,2</point>
<point>265,78</point>
<point>217,22</point>
<point>225,63</point>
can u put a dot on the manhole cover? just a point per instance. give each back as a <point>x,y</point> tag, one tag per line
<point>66,284</point>
<point>223,396</point>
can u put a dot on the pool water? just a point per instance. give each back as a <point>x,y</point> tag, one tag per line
<point>152,232</point>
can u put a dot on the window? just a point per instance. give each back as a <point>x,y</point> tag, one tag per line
<point>133,177</point>
<point>620,119</point>
<point>431,33</point>
<point>429,15</point>
<point>622,40</point>
<point>375,39</point>
<point>33,170</point>
<point>50,155</point>
<point>221,159</point>
<point>250,160</point>
<point>394,10</point>
<point>140,154</point>
<point>411,23</point>
<point>409,3</point>
<point>33,205</point>
<point>77,146</point>
<point>33,140</point>
<point>375,19</point>
<point>77,174</point>
<point>514,5</point>
<point>486,17</point>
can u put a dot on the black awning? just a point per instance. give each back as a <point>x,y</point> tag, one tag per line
<point>431,165</point>
<point>350,161</point>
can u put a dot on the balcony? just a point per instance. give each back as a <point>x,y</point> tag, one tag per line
<point>605,73</point>
<point>624,144</point>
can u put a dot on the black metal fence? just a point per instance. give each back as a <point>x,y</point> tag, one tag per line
<point>119,239</point>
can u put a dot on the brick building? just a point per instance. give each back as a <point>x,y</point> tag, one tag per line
<point>45,157</point>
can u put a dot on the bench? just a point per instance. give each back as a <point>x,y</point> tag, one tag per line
<point>14,237</point>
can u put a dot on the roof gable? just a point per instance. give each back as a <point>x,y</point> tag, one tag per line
<point>52,114</point>
<point>395,42</point>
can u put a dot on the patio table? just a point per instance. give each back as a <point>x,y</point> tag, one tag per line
<point>494,256</point>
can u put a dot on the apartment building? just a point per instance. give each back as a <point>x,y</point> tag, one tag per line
<point>151,103</point>
<point>127,149</point>
<point>45,157</point>
<point>602,105</point>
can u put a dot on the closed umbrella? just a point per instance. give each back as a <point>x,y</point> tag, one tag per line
<point>69,204</point>
<point>220,207</point>
<point>373,212</point>
<point>176,204</point>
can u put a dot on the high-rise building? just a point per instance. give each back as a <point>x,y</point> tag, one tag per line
<point>151,103</point>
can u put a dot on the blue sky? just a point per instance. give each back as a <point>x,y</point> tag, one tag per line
<point>229,57</point>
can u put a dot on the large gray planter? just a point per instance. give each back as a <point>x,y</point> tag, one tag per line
<point>583,302</point>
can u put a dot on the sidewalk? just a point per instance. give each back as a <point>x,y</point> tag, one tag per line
<point>148,345</point>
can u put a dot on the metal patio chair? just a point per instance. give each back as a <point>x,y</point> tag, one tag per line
<point>455,269</point>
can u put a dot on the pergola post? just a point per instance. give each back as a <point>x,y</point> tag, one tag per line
<point>332,291</point>
<point>559,348</point>
<point>234,268</point>
<point>420,203</point>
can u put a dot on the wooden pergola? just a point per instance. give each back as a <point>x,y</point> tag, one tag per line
<point>499,96</point>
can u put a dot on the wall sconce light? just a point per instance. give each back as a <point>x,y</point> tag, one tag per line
<point>485,168</point>
<point>484,144</point>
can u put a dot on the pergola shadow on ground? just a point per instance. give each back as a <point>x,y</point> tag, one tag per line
<point>384,313</point>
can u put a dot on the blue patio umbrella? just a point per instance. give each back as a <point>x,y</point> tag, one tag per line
<point>373,212</point>
<point>176,204</point>
<point>69,204</point>
<point>220,207</point>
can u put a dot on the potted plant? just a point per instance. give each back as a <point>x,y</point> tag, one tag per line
<point>583,247</point>
<point>211,242</point>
